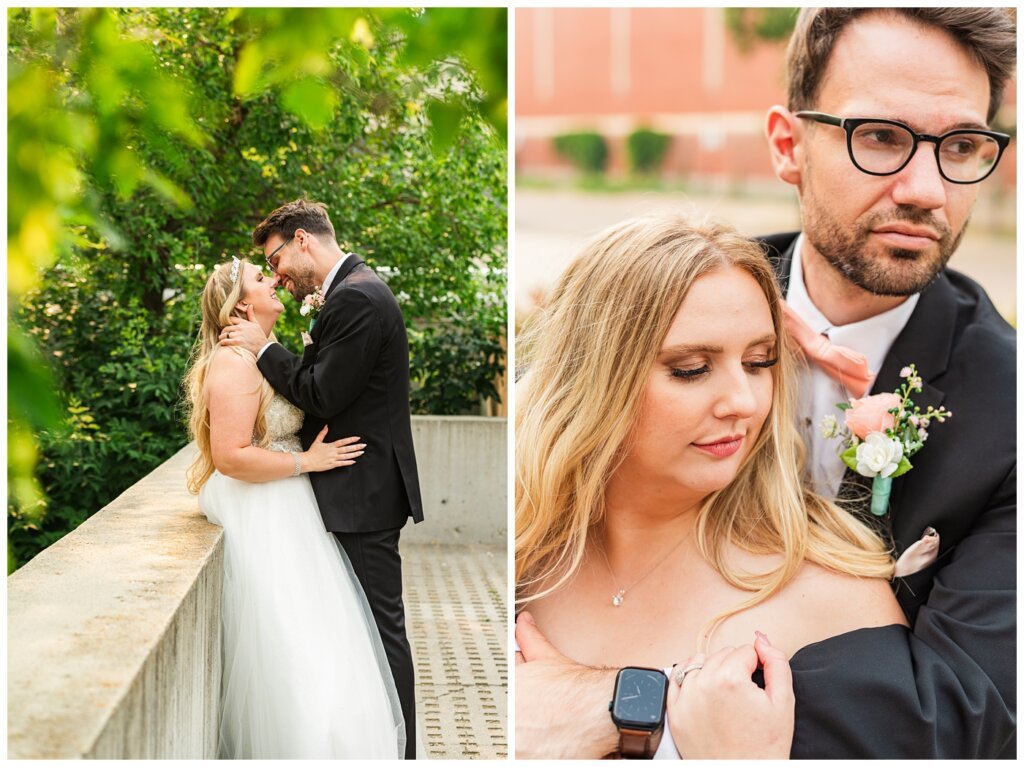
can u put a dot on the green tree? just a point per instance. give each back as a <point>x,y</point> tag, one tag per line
<point>145,144</point>
<point>750,25</point>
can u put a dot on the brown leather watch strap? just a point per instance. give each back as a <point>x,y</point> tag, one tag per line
<point>639,744</point>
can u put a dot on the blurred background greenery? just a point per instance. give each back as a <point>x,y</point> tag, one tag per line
<point>145,144</point>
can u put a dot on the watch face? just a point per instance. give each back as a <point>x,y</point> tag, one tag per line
<point>639,697</point>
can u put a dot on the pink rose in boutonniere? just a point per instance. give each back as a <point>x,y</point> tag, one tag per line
<point>311,306</point>
<point>871,414</point>
<point>881,433</point>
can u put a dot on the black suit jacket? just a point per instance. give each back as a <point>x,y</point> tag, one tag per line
<point>961,702</point>
<point>355,378</point>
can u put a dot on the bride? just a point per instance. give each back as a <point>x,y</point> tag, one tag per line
<point>305,674</point>
<point>660,518</point>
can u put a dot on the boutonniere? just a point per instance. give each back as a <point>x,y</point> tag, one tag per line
<point>311,306</point>
<point>881,433</point>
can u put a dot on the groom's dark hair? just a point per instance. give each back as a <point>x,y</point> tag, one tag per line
<point>298,214</point>
<point>989,35</point>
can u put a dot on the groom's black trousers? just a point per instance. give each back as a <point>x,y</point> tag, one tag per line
<point>378,566</point>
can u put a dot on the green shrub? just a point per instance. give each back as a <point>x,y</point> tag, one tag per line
<point>115,318</point>
<point>586,150</point>
<point>646,150</point>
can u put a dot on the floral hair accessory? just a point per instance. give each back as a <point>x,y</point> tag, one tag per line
<point>235,266</point>
<point>311,306</point>
<point>881,433</point>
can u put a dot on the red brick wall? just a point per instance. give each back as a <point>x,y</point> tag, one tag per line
<point>677,70</point>
<point>667,71</point>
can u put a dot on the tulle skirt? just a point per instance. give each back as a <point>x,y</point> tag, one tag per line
<point>305,674</point>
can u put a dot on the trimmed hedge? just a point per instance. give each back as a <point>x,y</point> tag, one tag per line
<point>646,150</point>
<point>586,150</point>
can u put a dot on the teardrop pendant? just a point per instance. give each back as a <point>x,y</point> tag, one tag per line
<point>617,599</point>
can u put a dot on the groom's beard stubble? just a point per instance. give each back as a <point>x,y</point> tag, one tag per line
<point>883,271</point>
<point>301,282</point>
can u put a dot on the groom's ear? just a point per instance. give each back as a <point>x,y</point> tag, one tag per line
<point>784,144</point>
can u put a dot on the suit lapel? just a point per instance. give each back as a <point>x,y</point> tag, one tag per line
<point>926,340</point>
<point>344,271</point>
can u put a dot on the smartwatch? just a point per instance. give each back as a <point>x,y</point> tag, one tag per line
<point>638,710</point>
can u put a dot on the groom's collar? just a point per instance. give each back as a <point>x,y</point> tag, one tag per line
<point>925,340</point>
<point>340,271</point>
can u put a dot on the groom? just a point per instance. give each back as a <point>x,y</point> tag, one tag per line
<point>353,375</point>
<point>869,269</point>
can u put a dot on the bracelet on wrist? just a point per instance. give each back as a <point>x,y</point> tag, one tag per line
<point>298,464</point>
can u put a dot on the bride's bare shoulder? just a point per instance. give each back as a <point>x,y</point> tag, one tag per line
<point>231,366</point>
<point>839,602</point>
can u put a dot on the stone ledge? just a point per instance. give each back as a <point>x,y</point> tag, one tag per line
<point>114,631</point>
<point>113,634</point>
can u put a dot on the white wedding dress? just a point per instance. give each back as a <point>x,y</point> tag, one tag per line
<point>305,674</point>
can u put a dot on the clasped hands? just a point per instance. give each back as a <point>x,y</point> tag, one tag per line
<point>717,712</point>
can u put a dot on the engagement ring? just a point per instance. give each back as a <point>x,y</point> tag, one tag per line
<point>681,673</point>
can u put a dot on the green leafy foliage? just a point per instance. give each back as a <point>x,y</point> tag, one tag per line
<point>586,150</point>
<point>750,25</point>
<point>146,144</point>
<point>646,149</point>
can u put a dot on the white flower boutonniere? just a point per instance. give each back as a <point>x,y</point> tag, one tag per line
<point>881,433</point>
<point>311,306</point>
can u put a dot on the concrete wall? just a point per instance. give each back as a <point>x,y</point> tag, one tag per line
<point>463,469</point>
<point>114,631</point>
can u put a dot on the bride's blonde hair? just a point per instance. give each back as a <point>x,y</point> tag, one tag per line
<point>220,297</point>
<point>587,357</point>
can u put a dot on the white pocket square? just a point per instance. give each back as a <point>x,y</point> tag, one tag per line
<point>919,554</point>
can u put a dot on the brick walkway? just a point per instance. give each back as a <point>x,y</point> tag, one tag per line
<point>457,620</point>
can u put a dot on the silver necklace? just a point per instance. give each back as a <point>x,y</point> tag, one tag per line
<point>620,593</point>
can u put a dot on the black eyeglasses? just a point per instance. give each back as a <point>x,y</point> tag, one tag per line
<point>882,147</point>
<point>270,258</point>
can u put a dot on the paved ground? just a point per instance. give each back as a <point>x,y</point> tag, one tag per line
<point>552,224</point>
<point>455,602</point>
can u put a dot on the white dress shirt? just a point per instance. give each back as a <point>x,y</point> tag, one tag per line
<point>872,337</point>
<point>323,291</point>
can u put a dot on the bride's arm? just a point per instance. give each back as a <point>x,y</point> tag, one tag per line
<point>234,400</point>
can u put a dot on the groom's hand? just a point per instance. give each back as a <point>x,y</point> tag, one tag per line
<point>244,333</point>
<point>561,706</point>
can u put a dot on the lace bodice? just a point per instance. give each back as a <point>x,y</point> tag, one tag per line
<point>283,423</point>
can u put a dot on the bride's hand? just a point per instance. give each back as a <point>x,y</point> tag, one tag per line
<point>720,713</point>
<point>324,456</point>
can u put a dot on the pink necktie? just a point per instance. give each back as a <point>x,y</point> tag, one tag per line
<point>841,363</point>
